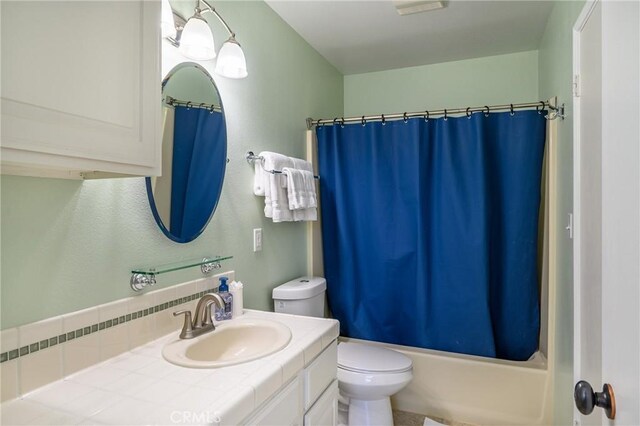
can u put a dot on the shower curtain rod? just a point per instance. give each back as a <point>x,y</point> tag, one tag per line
<point>556,111</point>
<point>177,102</point>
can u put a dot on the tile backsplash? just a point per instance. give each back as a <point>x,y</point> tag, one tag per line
<point>35,354</point>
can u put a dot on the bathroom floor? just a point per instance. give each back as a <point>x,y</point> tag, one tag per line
<point>404,418</point>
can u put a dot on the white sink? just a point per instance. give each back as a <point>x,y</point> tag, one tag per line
<point>232,342</point>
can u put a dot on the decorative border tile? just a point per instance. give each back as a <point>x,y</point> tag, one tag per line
<point>94,328</point>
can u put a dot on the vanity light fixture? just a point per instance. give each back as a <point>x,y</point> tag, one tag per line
<point>194,39</point>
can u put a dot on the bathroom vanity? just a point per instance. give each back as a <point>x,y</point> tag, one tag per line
<point>294,386</point>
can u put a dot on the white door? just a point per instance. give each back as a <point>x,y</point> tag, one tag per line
<point>607,210</point>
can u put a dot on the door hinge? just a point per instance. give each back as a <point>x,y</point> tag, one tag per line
<point>569,226</point>
<point>576,85</point>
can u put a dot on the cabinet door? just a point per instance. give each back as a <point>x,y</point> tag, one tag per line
<point>325,411</point>
<point>81,87</point>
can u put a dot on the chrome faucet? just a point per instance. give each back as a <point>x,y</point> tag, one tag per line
<point>202,322</point>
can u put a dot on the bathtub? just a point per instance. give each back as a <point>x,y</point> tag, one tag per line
<point>475,390</point>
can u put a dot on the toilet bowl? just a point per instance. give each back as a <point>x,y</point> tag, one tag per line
<point>367,377</point>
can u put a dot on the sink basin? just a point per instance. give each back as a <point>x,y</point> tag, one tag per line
<point>231,343</point>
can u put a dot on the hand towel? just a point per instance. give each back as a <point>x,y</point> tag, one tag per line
<point>276,204</point>
<point>311,213</point>
<point>301,188</point>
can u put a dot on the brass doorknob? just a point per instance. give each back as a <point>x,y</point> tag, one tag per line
<point>586,399</point>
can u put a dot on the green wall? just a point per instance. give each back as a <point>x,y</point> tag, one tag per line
<point>555,74</point>
<point>490,80</point>
<point>68,245</point>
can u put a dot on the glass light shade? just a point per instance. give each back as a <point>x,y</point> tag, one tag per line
<point>196,41</point>
<point>167,23</point>
<point>231,61</point>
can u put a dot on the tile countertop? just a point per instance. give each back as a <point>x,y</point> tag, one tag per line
<point>140,387</point>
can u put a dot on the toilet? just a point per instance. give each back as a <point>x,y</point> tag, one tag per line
<point>367,374</point>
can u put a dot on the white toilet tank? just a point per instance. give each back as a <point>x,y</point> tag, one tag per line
<point>302,296</point>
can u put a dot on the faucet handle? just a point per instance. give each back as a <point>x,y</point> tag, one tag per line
<point>187,327</point>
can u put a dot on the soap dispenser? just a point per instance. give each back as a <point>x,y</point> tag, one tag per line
<point>223,291</point>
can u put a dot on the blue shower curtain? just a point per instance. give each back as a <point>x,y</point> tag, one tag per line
<point>196,147</point>
<point>430,231</point>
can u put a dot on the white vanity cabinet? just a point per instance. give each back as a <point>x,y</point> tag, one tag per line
<point>80,88</point>
<point>310,399</point>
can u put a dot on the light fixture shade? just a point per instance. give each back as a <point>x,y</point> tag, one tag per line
<point>196,41</point>
<point>231,61</point>
<point>167,24</point>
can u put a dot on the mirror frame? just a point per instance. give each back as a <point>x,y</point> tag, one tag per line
<point>152,202</point>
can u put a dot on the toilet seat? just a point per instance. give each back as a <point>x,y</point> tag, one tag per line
<point>359,358</point>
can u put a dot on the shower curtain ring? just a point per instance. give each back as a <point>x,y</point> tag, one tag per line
<point>540,107</point>
<point>426,117</point>
<point>383,120</point>
<point>189,105</point>
<point>334,121</point>
<point>511,109</point>
<point>445,115</point>
<point>342,123</point>
<point>211,109</point>
<point>363,121</point>
<point>469,112</point>
<point>404,117</point>
<point>486,113</point>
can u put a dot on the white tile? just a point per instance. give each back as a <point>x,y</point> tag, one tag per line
<point>151,350</point>
<point>219,380</point>
<point>243,404</point>
<point>162,391</point>
<point>99,376</point>
<point>21,412</point>
<point>58,394</point>
<point>330,335</point>
<point>91,403</point>
<point>186,289</point>
<point>266,381</point>
<point>141,330</point>
<point>158,368</point>
<point>127,411</point>
<point>37,331</point>
<point>312,345</point>
<point>80,319</point>
<point>291,362</point>
<point>197,399</point>
<point>188,376</point>
<point>40,368</point>
<point>163,295</point>
<point>9,385</point>
<point>129,362</point>
<point>8,339</point>
<point>56,418</point>
<point>131,384</point>
<point>113,340</point>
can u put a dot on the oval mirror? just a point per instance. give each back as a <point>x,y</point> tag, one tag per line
<point>194,154</point>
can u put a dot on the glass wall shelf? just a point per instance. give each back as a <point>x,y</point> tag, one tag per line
<point>143,277</point>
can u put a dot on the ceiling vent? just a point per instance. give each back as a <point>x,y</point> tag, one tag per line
<point>408,7</point>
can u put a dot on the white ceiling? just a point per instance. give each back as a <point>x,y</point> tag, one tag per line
<point>364,36</point>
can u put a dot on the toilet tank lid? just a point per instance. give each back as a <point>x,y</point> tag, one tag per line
<point>368,358</point>
<point>300,288</point>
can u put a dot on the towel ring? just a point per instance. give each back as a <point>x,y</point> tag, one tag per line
<point>511,110</point>
<point>486,113</point>
<point>469,112</point>
<point>404,118</point>
<point>383,120</point>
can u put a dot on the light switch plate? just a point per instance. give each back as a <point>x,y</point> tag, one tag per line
<point>257,239</point>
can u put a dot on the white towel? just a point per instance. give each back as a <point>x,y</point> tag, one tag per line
<point>311,213</point>
<point>301,188</point>
<point>276,203</point>
<point>260,179</point>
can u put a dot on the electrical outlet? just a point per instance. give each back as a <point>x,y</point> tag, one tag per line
<point>257,239</point>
